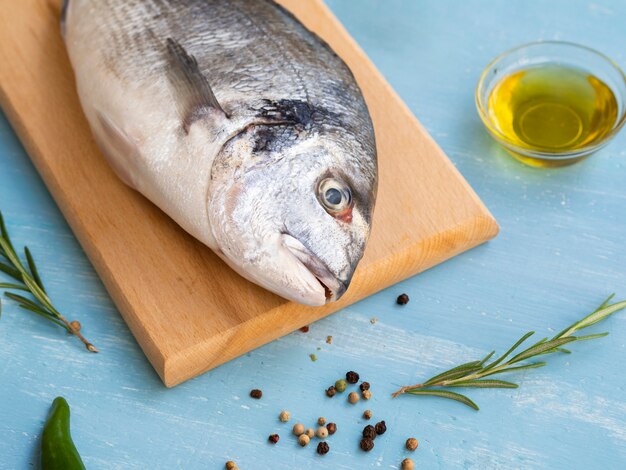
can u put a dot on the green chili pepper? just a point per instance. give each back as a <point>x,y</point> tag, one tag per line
<point>57,448</point>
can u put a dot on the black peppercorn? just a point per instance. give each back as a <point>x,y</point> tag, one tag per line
<point>330,391</point>
<point>369,432</point>
<point>381,428</point>
<point>274,438</point>
<point>352,377</point>
<point>364,386</point>
<point>332,428</point>
<point>367,444</point>
<point>402,299</point>
<point>256,393</point>
<point>323,448</point>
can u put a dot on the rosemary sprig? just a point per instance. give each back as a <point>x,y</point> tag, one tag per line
<point>472,374</point>
<point>28,280</point>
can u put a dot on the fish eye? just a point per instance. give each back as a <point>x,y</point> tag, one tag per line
<point>334,195</point>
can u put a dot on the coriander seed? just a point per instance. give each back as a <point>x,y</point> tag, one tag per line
<point>402,299</point>
<point>322,432</point>
<point>230,465</point>
<point>369,432</point>
<point>353,397</point>
<point>366,444</point>
<point>407,464</point>
<point>304,440</point>
<point>274,438</point>
<point>321,421</point>
<point>366,394</point>
<point>352,377</point>
<point>381,428</point>
<point>323,448</point>
<point>284,416</point>
<point>256,394</point>
<point>364,386</point>
<point>331,391</point>
<point>310,432</point>
<point>411,443</point>
<point>298,429</point>
<point>367,414</point>
<point>332,428</point>
<point>341,385</point>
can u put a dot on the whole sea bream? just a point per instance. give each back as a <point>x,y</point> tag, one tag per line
<point>240,124</point>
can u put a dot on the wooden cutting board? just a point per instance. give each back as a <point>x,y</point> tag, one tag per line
<point>187,309</point>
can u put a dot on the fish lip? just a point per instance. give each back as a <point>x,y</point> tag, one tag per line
<point>333,287</point>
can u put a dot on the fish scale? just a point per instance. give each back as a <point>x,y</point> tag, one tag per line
<point>237,122</point>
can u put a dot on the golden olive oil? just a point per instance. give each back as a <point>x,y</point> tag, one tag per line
<point>552,109</point>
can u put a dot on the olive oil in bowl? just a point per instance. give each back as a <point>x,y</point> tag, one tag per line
<point>548,113</point>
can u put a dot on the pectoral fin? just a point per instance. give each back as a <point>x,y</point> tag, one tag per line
<point>194,96</point>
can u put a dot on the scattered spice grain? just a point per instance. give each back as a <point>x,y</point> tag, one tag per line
<point>367,414</point>
<point>364,386</point>
<point>402,299</point>
<point>313,357</point>
<point>332,428</point>
<point>304,329</point>
<point>256,394</point>
<point>341,385</point>
<point>274,438</point>
<point>304,440</point>
<point>321,421</point>
<point>352,377</point>
<point>366,444</point>
<point>284,416</point>
<point>322,432</point>
<point>298,429</point>
<point>353,397</point>
<point>331,391</point>
<point>411,443</point>
<point>407,464</point>
<point>369,432</point>
<point>310,432</point>
<point>381,428</point>
<point>230,465</point>
<point>329,339</point>
<point>323,448</point>
<point>366,394</point>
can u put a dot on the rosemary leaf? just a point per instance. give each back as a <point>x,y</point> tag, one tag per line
<point>540,348</point>
<point>33,268</point>
<point>588,337</point>
<point>534,365</point>
<point>487,357</point>
<point>24,301</point>
<point>14,273</point>
<point>513,348</point>
<point>446,394</point>
<point>483,384</point>
<point>453,374</point>
<point>8,285</point>
<point>46,316</point>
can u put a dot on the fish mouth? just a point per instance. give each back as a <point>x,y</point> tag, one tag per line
<point>329,287</point>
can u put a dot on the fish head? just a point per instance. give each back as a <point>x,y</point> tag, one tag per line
<point>293,215</point>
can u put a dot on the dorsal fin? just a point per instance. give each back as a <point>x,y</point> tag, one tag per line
<point>194,96</point>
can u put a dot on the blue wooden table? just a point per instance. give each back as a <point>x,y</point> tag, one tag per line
<point>560,252</point>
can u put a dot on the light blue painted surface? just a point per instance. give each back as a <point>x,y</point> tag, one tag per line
<point>560,251</point>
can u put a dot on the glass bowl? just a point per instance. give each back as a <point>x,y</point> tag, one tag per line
<point>550,53</point>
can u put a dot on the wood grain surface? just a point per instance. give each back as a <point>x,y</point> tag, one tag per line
<point>188,311</point>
